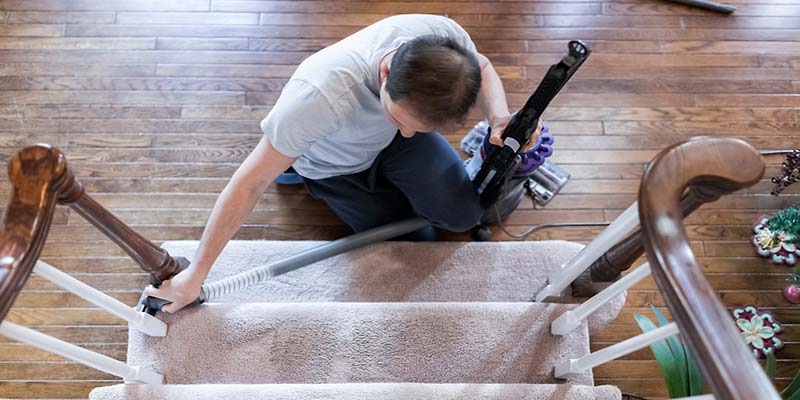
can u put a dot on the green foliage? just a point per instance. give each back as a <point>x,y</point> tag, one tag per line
<point>794,277</point>
<point>770,365</point>
<point>792,391</point>
<point>786,220</point>
<point>678,367</point>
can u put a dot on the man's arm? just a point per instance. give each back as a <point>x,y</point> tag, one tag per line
<point>492,102</point>
<point>492,96</point>
<point>233,206</point>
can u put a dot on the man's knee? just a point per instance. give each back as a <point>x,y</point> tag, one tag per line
<point>457,217</point>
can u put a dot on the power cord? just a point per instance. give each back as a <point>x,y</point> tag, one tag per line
<point>535,228</point>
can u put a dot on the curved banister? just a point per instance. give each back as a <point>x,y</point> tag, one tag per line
<point>40,178</point>
<point>724,165</point>
<point>37,175</point>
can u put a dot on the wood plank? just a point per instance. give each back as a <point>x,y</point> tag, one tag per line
<point>52,371</point>
<point>78,43</point>
<point>678,60</point>
<point>61,17</point>
<point>216,31</point>
<point>246,126</point>
<point>32,30</point>
<point>104,5</point>
<point>155,56</point>
<point>226,18</point>
<point>733,100</point>
<point>83,335</point>
<point>643,86</point>
<point>700,128</point>
<point>402,8</point>
<point>119,97</point>
<point>58,69</point>
<point>44,390</point>
<point>225,70</point>
<point>21,352</point>
<point>61,299</point>
<point>136,84</point>
<point>62,316</point>
<point>90,112</point>
<point>167,43</point>
<point>98,281</point>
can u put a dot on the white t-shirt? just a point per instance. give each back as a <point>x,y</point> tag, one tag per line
<point>329,114</point>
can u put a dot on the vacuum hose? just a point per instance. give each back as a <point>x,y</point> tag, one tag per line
<point>249,278</point>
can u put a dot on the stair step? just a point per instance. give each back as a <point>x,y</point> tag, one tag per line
<point>401,271</point>
<point>355,391</point>
<point>361,342</point>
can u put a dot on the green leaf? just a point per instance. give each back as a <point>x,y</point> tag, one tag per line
<point>695,375</point>
<point>792,391</point>
<point>770,365</point>
<point>676,347</point>
<point>666,361</point>
<point>793,396</point>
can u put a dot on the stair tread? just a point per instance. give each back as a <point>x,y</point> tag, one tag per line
<point>401,271</point>
<point>489,342</point>
<point>371,391</point>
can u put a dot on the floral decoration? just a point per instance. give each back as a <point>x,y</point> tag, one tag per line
<point>759,329</point>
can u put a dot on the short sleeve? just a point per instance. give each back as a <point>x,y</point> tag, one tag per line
<point>301,117</point>
<point>447,27</point>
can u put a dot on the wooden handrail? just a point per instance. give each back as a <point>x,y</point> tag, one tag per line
<point>151,258</point>
<point>40,178</point>
<point>37,175</point>
<point>610,266</point>
<point>725,165</point>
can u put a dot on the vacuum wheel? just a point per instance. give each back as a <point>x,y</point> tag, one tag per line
<point>481,233</point>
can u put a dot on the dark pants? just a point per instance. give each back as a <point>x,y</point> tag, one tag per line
<point>418,177</point>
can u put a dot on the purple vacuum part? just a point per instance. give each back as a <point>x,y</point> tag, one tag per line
<point>531,159</point>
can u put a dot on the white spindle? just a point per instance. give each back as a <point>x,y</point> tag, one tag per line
<point>573,367</point>
<point>573,318</point>
<point>140,321</point>
<point>130,374</point>
<point>615,232</point>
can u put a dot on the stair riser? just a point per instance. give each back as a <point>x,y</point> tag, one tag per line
<point>382,391</point>
<point>361,342</point>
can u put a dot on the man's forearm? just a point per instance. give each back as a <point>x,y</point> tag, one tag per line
<point>235,204</point>
<point>492,97</point>
<point>231,209</point>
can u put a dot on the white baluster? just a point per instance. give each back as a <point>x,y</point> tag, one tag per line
<point>140,321</point>
<point>89,358</point>
<point>573,318</point>
<point>573,367</point>
<point>615,232</point>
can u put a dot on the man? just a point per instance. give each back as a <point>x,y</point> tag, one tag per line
<point>357,120</point>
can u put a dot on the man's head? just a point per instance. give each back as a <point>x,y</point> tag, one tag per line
<point>432,84</point>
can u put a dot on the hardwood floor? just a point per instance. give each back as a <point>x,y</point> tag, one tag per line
<point>156,102</point>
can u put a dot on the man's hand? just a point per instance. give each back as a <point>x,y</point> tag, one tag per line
<point>181,290</point>
<point>499,125</point>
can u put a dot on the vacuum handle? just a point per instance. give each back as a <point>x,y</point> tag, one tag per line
<point>501,160</point>
<point>524,122</point>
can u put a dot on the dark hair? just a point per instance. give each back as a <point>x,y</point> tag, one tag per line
<point>436,77</point>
